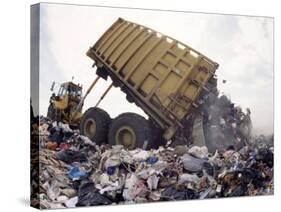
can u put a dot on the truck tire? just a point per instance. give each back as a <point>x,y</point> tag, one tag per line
<point>94,124</point>
<point>130,130</point>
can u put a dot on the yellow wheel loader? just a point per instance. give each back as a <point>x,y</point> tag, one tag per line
<point>64,104</point>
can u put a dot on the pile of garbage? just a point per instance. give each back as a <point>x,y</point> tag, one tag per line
<point>74,171</point>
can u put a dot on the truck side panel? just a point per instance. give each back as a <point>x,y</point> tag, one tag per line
<point>162,73</point>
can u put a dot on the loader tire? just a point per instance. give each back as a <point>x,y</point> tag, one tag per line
<point>130,130</point>
<point>54,114</point>
<point>50,112</point>
<point>94,124</point>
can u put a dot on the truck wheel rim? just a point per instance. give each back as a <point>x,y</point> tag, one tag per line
<point>126,136</point>
<point>90,128</point>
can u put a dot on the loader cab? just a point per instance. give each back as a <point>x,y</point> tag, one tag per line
<point>66,96</point>
<point>69,89</point>
<point>63,102</point>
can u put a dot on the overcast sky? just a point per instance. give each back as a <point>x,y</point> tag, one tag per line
<point>243,47</point>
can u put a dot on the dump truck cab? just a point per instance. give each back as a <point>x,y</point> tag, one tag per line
<point>64,102</point>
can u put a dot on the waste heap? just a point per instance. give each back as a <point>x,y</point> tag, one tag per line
<point>74,171</point>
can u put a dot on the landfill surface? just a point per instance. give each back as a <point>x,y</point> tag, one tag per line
<point>74,171</point>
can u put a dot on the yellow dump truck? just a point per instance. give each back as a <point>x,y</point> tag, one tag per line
<point>159,74</point>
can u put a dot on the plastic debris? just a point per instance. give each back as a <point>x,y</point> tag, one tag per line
<point>88,195</point>
<point>71,203</point>
<point>181,193</point>
<point>199,152</point>
<point>110,170</point>
<point>192,164</point>
<point>152,182</point>
<point>188,178</point>
<point>152,160</point>
<point>76,174</point>
<point>70,156</point>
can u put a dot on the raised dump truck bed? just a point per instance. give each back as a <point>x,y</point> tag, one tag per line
<point>160,74</point>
